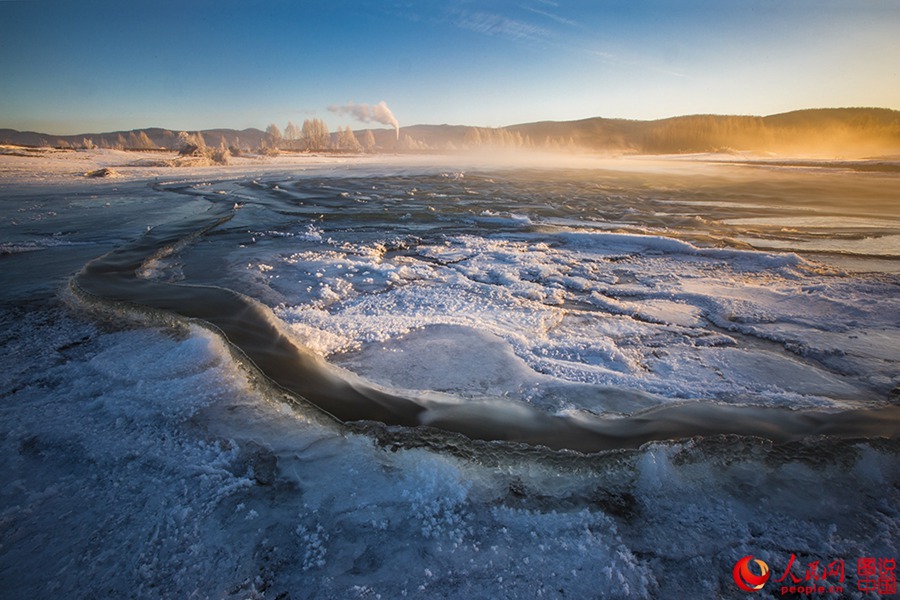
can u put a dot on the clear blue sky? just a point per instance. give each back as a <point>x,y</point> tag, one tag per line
<point>73,66</point>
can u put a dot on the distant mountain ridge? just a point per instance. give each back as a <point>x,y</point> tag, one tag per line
<point>834,131</point>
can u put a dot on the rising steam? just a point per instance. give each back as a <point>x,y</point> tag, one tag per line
<point>379,113</point>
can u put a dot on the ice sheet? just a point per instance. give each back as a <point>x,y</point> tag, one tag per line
<point>644,312</point>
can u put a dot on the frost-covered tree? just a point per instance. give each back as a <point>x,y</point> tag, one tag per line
<point>408,142</point>
<point>140,140</point>
<point>472,138</point>
<point>193,149</point>
<point>315,134</point>
<point>347,141</point>
<point>369,141</point>
<point>191,144</point>
<point>186,140</point>
<point>292,135</point>
<point>273,136</point>
<point>221,154</point>
<point>236,149</point>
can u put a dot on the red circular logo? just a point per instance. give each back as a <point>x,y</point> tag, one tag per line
<point>746,579</point>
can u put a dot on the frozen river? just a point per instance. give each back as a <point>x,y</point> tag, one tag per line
<point>367,380</point>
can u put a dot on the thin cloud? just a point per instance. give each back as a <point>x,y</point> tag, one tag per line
<point>549,35</point>
<point>493,24</point>
<point>549,15</point>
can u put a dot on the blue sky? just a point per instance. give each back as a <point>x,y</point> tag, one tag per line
<point>72,66</point>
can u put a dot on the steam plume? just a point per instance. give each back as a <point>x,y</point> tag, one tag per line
<point>379,113</point>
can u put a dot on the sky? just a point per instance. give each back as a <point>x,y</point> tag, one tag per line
<point>78,66</point>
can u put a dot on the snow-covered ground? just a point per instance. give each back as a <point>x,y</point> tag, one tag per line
<point>144,457</point>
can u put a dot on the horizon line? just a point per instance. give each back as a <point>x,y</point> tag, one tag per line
<point>707,114</point>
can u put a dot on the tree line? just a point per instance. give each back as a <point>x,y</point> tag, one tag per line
<point>314,136</point>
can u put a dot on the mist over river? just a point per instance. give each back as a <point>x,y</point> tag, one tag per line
<point>442,379</point>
